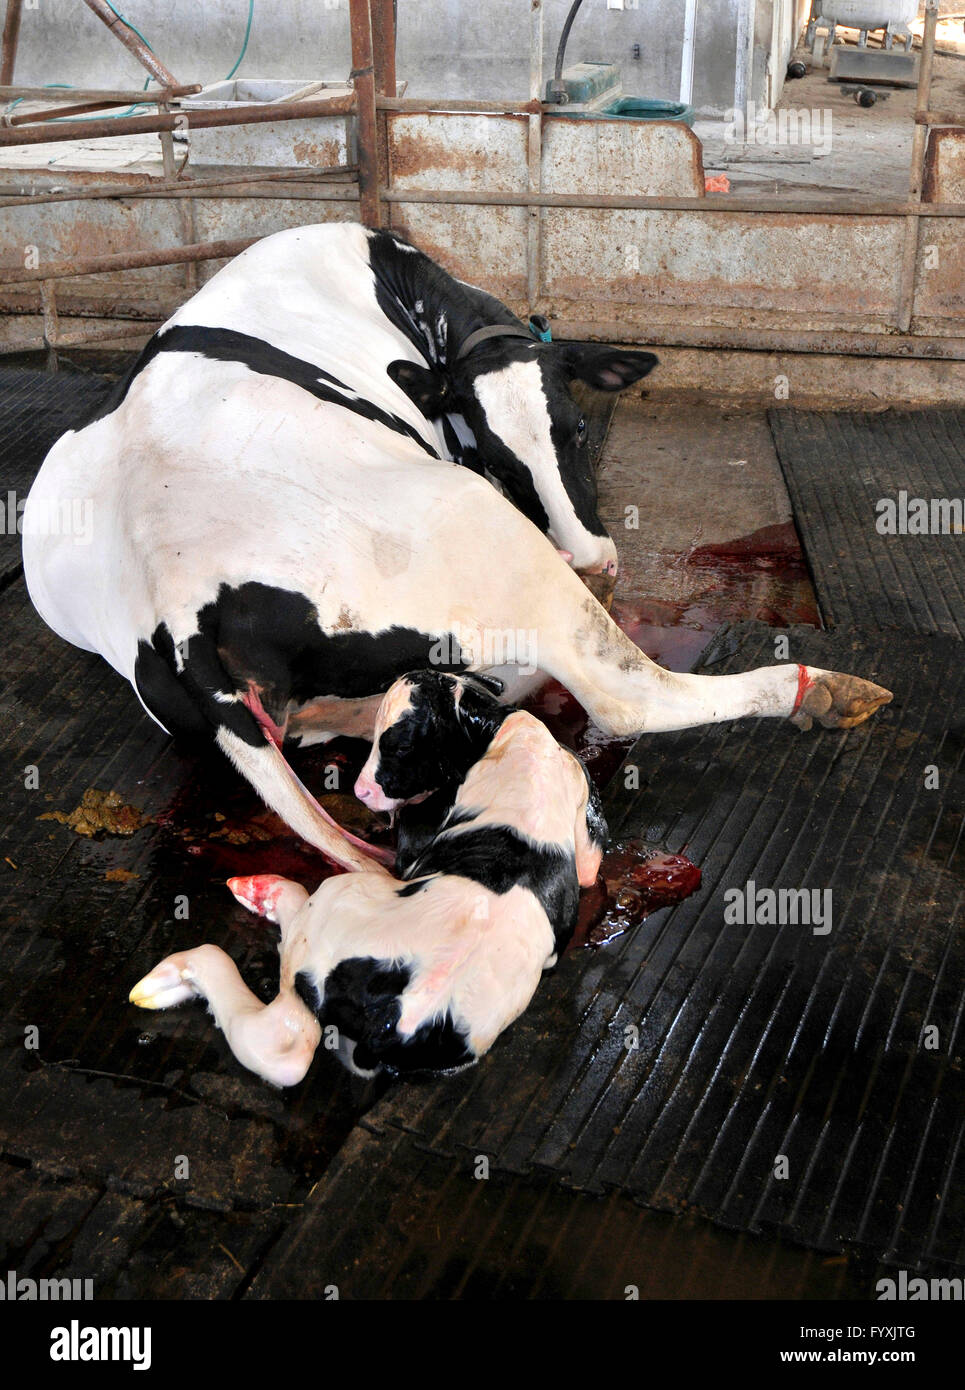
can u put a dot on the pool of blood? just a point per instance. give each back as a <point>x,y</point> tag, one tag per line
<point>762,575</point>
<point>635,879</point>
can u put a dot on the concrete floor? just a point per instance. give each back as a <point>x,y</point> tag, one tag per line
<point>856,150</point>
<point>694,497</point>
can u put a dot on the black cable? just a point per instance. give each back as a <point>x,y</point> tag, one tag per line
<point>557,92</point>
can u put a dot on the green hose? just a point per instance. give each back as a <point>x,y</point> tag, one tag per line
<point>118,115</point>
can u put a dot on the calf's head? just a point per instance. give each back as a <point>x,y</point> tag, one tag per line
<point>530,435</point>
<point>430,729</point>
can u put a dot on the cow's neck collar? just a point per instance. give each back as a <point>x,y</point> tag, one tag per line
<point>492,330</point>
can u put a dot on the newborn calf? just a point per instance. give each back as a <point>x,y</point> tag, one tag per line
<point>502,830</point>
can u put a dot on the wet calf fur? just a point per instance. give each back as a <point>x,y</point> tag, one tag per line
<point>499,828</point>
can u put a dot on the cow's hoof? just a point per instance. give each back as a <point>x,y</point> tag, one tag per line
<point>837,701</point>
<point>168,984</point>
<point>601,586</point>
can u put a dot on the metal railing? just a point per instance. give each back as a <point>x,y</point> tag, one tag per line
<point>370,183</point>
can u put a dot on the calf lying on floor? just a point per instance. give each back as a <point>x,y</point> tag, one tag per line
<point>422,975</point>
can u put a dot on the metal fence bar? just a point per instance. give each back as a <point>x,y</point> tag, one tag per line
<point>534,156</point>
<point>197,120</point>
<point>11,35</point>
<point>907,283</point>
<point>123,32</point>
<point>198,188</point>
<point>57,113</point>
<point>131,260</point>
<point>826,207</point>
<point>363,77</point>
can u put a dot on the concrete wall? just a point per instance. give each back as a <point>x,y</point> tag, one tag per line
<point>455,48</point>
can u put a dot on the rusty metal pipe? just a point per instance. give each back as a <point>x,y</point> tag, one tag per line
<point>297,193</point>
<point>85,181</point>
<point>772,340</point>
<point>383,47</point>
<point>826,207</point>
<point>117,96</point>
<point>363,79</point>
<point>137,333</point>
<point>909,261</point>
<point>11,35</point>
<point>420,106</point>
<point>53,113</point>
<point>382,14</point>
<point>130,260</point>
<point>123,32</point>
<point>177,120</point>
<point>205,188</point>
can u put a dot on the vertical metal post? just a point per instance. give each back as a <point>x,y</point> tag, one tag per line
<point>48,302</point>
<point>534,157</point>
<point>185,205</point>
<point>909,260</point>
<point>11,34</point>
<point>687,53</point>
<point>363,78</point>
<point>383,14</point>
<point>744,65</point>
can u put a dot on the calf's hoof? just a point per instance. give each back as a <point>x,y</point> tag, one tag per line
<point>836,701</point>
<point>167,984</point>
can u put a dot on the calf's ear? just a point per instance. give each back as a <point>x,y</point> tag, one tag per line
<point>428,389</point>
<point>607,368</point>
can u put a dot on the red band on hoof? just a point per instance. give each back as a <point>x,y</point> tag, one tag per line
<point>804,683</point>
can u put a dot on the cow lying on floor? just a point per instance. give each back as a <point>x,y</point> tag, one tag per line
<point>294,503</point>
<point>422,975</point>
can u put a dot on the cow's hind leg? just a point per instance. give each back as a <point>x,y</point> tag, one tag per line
<point>623,691</point>
<point>200,690</point>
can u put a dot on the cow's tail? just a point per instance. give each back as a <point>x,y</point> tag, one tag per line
<point>197,680</point>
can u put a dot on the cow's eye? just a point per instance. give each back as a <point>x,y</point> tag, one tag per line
<point>581,429</point>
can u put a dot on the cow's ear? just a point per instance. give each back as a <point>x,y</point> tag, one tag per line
<point>607,368</point>
<point>428,389</point>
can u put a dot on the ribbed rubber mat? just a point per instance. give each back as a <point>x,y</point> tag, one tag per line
<point>782,1080</point>
<point>36,408</point>
<point>846,473</point>
<point>393,1221</point>
<point>93,1090</point>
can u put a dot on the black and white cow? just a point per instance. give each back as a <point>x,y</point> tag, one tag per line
<point>420,976</point>
<point>279,530</point>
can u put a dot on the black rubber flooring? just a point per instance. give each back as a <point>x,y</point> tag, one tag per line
<point>784,1092</point>
<point>36,408</point>
<point>841,470</point>
<point>757,1042</point>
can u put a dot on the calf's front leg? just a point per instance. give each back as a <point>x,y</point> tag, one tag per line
<point>276,1040</point>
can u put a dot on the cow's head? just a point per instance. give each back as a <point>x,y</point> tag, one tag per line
<point>514,395</point>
